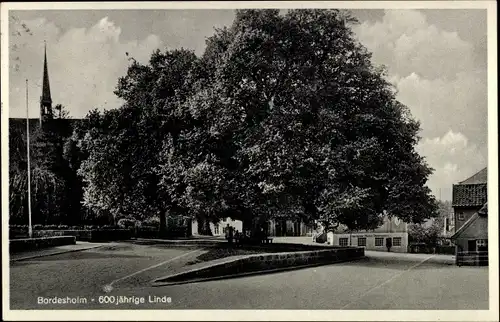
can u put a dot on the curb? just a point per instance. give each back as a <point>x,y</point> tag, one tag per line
<point>181,242</point>
<point>52,254</point>
<point>413,260</point>
<point>262,263</point>
<point>237,275</point>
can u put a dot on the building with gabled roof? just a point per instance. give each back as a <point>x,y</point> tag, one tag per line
<point>469,196</point>
<point>470,206</point>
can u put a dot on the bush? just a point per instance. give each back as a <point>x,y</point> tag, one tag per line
<point>108,234</point>
<point>127,223</point>
<point>450,250</point>
<point>19,245</point>
<point>152,222</point>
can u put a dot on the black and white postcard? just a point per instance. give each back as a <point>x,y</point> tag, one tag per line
<point>250,161</point>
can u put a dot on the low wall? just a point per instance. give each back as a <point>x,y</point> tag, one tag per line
<point>20,245</point>
<point>266,262</point>
<point>86,234</point>
<point>83,235</point>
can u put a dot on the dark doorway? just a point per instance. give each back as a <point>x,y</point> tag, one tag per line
<point>388,243</point>
<point>296,228</point>
<point>280,228</point>
<point>471,245</point>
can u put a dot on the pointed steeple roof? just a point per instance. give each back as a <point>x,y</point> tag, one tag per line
<point>46,98</point>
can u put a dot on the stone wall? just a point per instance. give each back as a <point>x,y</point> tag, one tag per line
<point>19,245</point>
<point>253,264</point>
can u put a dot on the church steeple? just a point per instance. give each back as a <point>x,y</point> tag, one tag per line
<point>45,99</point>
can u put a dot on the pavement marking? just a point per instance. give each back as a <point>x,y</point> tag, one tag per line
<point>109,287</point>
<point>384,283</point>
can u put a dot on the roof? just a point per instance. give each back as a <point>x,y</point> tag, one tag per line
<point>479,177</point>
<point>470,195</point>
<point>484,210</point>
<point>480,213</point>
<point>465,226</point>
<point>472,192</point>
<point>46,98</point>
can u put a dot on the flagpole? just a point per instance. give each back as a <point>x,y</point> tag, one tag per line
<point>30,230</point>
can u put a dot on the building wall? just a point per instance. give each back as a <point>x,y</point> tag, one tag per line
<point>467,212</point>
<point>472,238</point>
<point>352,240</point>
<point>391,228</point>
<point>289,228</point>
<point>218,229</point>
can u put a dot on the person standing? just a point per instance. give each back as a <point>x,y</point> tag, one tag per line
<point>229,233</point>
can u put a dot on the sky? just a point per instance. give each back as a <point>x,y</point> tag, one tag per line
<point>437,60</point>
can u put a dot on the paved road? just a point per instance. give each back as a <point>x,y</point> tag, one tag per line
<point>371,283</point>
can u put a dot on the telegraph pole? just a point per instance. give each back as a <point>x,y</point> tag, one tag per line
<point>30,230</point>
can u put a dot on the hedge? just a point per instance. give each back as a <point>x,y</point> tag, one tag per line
<point>95,233</point>
<point>19,245</point>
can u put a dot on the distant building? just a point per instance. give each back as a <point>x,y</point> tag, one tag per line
<point>393,231</point>
<point>17,126</point>
<point>288,227</point>
<point>46,110</point>
<point>471,217</point>
<point>218,228</point>
<point>469,196</point>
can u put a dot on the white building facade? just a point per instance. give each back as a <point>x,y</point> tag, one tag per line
<point>392,231</point>
<point>218,229</point>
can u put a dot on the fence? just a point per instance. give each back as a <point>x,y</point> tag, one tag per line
<point>472,258</point>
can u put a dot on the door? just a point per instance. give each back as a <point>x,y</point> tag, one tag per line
<point>388,243</point>
<point>296,228</point>
<point>471,245</point>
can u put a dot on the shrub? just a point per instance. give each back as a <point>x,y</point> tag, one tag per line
<point>37,243</point>
<point>127,223</point>
<point>107,234</point>
<point>152,221</point>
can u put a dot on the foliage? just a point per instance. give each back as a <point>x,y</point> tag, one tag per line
<point>283,115</point>
<point>122,146</point>
<point>431,231</point>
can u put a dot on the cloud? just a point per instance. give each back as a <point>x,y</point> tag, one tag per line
<point>84,65</point>
<point>453,158</point>
<point>437,76</point>
<point>440,105</point>
<point>405,42</point>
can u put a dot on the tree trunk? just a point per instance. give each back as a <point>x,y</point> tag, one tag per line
<point>163,223</point>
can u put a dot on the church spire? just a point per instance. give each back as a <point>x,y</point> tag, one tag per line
<point>46,99</point>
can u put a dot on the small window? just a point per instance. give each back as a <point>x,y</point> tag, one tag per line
<point>396,241</point>
<point>481,242</point>
<point>379,241</point>
<point>343,241</point>
<point>361,241</point>
<point>216,229</point>
<point>461,216</point>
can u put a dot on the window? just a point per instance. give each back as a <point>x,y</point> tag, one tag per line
<point>481,243</point>
<point>379,241</point>
<point>461,216</point>
<point>216,229</point>
<point>396,241</point>
<point>361,241</point>
<point>343,241</point>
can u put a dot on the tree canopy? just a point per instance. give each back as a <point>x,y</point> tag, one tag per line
<point>283,115</point>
